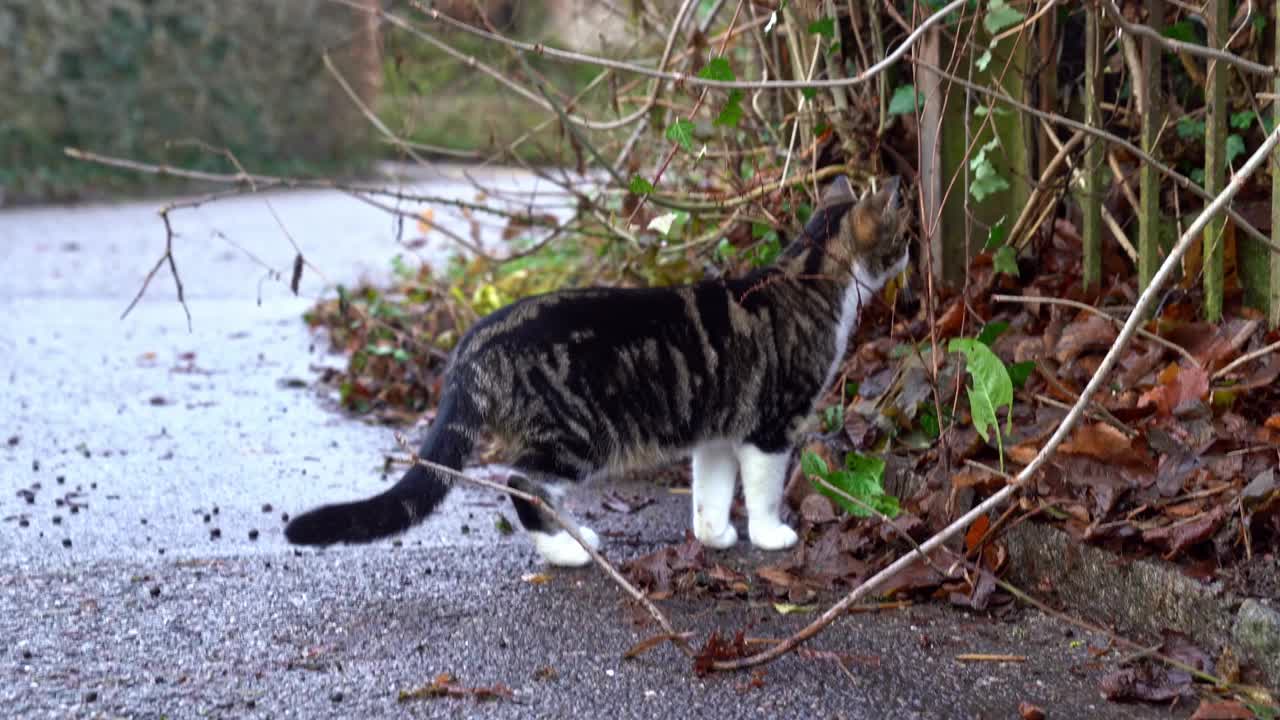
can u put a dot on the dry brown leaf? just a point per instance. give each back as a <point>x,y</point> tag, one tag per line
<point>1106,443</point>
<point>1178,386</point>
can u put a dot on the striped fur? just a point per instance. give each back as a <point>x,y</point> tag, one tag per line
<point>590,382</point>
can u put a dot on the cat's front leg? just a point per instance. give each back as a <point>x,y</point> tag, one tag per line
<point>715,472</point>
<point>764,476</point>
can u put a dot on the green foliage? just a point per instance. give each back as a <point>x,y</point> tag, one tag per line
<point>1190,128</point>
<point>861,478</point>
<point>1183,30</point>
<point>1000,15</point>
<point>717,69</point>
<point>731,114</point>
<point>992,389</point>
<point>1006,260</point>
<point>826,27</point>
<point>1235,147</point>
<point>992,332</point>
<point>833,418</point>
<point>985,181</point>
<point>906,99</point>
<point>768,247</point>
<point>640,186</point>
<point>681,133</point>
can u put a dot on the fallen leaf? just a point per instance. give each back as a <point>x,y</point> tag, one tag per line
<point>790,608</point>
<point>659,570</point>
<point>444,685</point>
<point>1091,333</point>
<point>718,649</point>
<point>1104,442</point>
<point>650,643</point>
<point>1178,387</point>
<point>1027,711</point>
<point>426,220</point>
<point>1180,535</point>
<point>536,578</point>
<point>1147,683</point>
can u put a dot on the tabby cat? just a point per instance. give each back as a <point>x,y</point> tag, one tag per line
<point>589,382</point>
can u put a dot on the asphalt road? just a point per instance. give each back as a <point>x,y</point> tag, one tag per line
<point>145,469</point>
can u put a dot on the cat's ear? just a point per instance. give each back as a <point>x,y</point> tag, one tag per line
<point>839,192</point>
<point>875,211</point>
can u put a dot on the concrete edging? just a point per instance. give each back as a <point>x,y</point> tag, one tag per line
<point>1146,596</point>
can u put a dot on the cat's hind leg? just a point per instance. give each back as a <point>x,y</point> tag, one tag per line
<point>764,476</point>
<point>715,474</point>
<point>553,542</point>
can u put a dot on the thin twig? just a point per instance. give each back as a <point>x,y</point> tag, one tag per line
<point>1246,358</point>
<point>1179,46</point>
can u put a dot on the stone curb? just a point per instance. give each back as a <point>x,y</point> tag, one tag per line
<point>1146,597</point>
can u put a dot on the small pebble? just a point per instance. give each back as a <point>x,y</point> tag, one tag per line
<point>466,529</point>
<point>207,517</point>
<point>62,479</point>
<point>266,508</point>
<point>14,440</point>
<point>91,696</point>
<point>93,486</point>
<point>26,654</point>
<point>35,466</point>
<point>214,534</point>
<point>215,509</point>
<point>144,521</point>
<point>23,522</point>
<point>57,519</point>
<point>284,517</point>
<point>155,591</point>
<point>75,509</point>
<point>66,542</point>
<point>253,534</point>
<point>336,696</point>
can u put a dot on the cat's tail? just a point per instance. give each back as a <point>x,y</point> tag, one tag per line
<point>405,504</point>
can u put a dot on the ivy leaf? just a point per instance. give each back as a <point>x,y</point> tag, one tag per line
<point>1190,128</point>
<point>826,27</point>
<point>717,69</point>
<point>809,93</point>
<point>731,114</point>
<point>640,186</point>
<point>1243,119</point>
<point>906,99</point>
<point>681,132</point>
<point>983,60</point>
<point>992,387</point>
<point>1235,147</point>
<point>985,180</point>
<point>1000,16</point>
<point>861,478</point>
<point>1006,260</point>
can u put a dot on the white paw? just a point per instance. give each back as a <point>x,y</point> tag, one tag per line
<point>726,538</point>
<point>590,536</point>
<point>562,550</point>
<point>774,537</point>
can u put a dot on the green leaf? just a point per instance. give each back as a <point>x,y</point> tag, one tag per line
<point>813,464</point>
<point>995,236</point>
<point>809,93</point>
<point>826,27</point>
<point>1235,147</point>
<point>725,251</point>
<point>992,331</point>
<point>731,114</point>
<point>984,110</point>
<point>1243,119</point>
<point>992,387</point>
<point>929,423</point>
<point>1000,16</point>
<point>717,69</point>
<point>1197,176</point>
<point>984,60</point>
<point>766,252</point>
<point>401,355</point>
<point>1190,128</point>
<point>1006,260</point>
<point>681,132</point>
<point>906,99</point>
<point>1019,372</point>
<point>832,418</point>
<point>985,181</point>
<point>1182,30</point>
<point>862,478</point>
<point>804,212</point>
<point>640,186</point>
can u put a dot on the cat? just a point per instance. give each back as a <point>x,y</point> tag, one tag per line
<point>589,382</point>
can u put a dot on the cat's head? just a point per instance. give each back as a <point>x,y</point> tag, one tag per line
<point>871,231</point>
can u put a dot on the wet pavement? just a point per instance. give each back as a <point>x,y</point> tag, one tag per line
<point>145,470</point>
